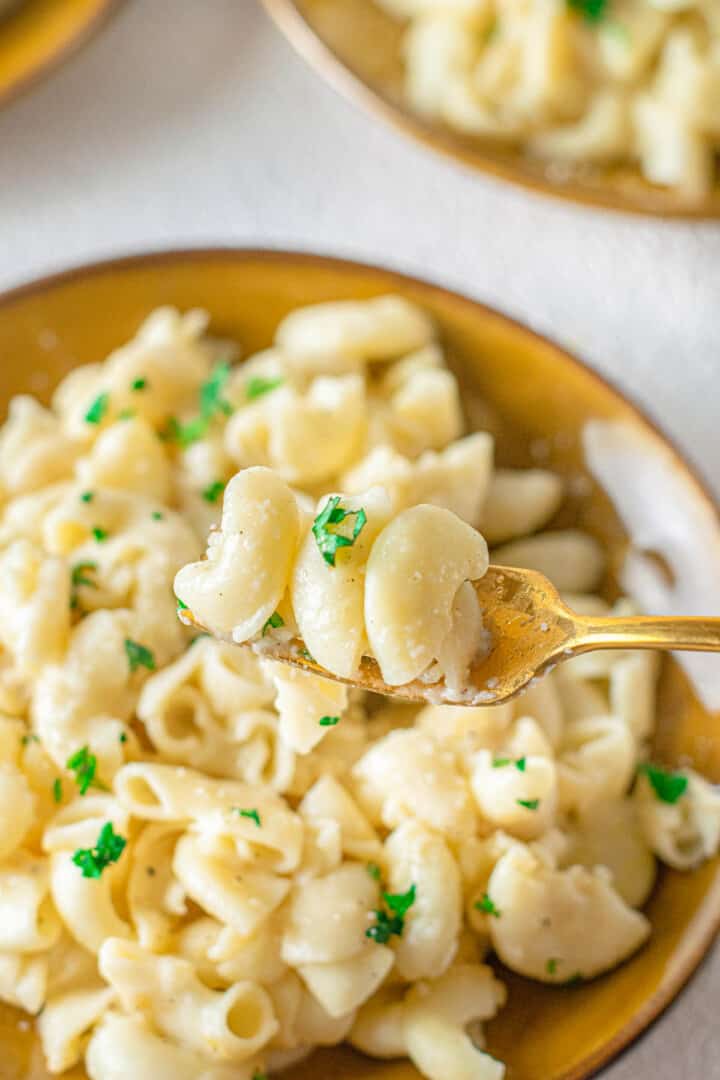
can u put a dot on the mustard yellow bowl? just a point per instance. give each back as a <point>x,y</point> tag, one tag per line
<point>38,34</point>
<point>357,48</point>
<point>524,389</point>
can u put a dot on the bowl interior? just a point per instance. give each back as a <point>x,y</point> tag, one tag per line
<point>529,393</point>
<point>358,47</point>
<point>39,33</point>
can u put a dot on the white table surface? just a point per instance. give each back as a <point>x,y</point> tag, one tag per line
<point>189,122</point>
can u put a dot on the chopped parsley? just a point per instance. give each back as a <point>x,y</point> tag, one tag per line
<point>84,765</point>
<point>138,655</point>
<point>529,804</point>
<point>551,966</point>
<point>501,762</point>
<point>157,516</point>
<point>57,789</point>
<point>274,622</point>
<point>328,541</point>
<point>139,384</point>
<point>107,850</point>
<point>126,414</point>
<point>213,491</point>
<point>252,814</point>
<point>78,575</point>
<point>329,721</point>
<point>98,409</point>
<point>87,496</point>
<point>181,605</point>
<point>26,739</point>
<point>668,786</point>
<point>211,403</point>
<point>211,399</point>
<point>99,533</point>
<point>391,919</point>
<point>373,870</point>
<point>592,11</point>
<point>487,905</point>
<point>122,737</point>
<point>307,656</point>
<point>256,386</point>
<point>257,1075</point>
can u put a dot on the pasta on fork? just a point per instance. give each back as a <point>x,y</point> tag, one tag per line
<point>211,863</point>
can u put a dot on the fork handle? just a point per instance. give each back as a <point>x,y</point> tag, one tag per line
<point>647,632</point>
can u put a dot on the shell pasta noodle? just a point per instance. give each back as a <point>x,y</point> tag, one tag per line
<point>212,863</point>
<point>578,83</point>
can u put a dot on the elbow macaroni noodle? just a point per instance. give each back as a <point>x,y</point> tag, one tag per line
<point>211,863</point>
<point>630,81</point>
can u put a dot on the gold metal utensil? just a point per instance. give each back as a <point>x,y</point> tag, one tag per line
<point>531,631</point>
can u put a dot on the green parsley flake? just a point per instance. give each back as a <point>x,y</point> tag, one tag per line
<point>138,655</point>
<point>213,491</point>
<point>78,575</point>
<point>26,739</point>
<point>520,764</point>
<point>84,765</point>
<point>501,762</point>
<point>57,789</point>
<point>592,11</point>
<point>99,534</point>
<point>551,966</point>
<point>668,786</point>
<point>329,541</point>
<point>373,870</point>
<point>274,622</point>
<point>487,906</point>
<point>122,737</point>
<point>211,404</point>
<point>256,386</point>
<point>252,814</point>
<point>529,804</point>
<point>157,516</point>
<point>181,605</point>
<point>391,921</point>
<point>257,1075</point>
<point>139,384</point>
<point>211,399</point>
<point>329,721</point>
<point>108,849</point>
<point>126,414</point>
<point>87,496</point>
<point>98,409</point>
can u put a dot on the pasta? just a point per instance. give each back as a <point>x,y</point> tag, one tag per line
<point>212,863</point>
<point>577,85</point>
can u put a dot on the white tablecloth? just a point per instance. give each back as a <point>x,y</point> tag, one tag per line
<point>192,122</point>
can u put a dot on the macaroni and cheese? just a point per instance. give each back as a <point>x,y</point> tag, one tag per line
<point>211,863</point>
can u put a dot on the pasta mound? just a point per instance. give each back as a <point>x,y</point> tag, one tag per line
<point>211,864</point>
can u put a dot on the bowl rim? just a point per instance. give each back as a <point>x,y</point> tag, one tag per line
<point>705,923</point>
<point>35,73</point>
<point>323,59</point>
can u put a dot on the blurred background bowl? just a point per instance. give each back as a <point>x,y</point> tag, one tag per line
<point>36,35</point>
<point>357,47</point>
